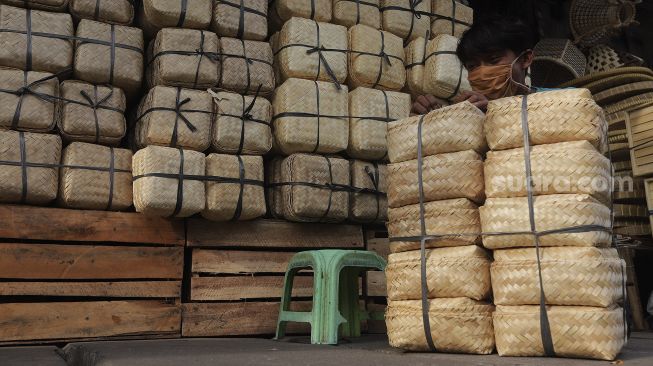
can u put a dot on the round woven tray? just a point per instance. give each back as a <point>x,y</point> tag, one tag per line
<point>632,103</point>
<point>582,332</point>
<point>622,92</point>
<point>458,325</point>
<point>451,272</point>
<point>617,80</point>
<point>571,276</point>
<point>583,80</point>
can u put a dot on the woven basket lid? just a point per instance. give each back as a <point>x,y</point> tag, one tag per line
<point>556,61</point>
<point>617,80</point>
<point>628,104</point>
<point>584,80</point>
<point>593,21</point>
<point>622,92</point>
<point>602,58</point>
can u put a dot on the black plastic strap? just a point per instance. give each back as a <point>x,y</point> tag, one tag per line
<point>241,20</point>
<point>312,9</point>
<point>19,105</point>
<point>182,15</point>
<point>248,62</point>
<point>113,54</point>
<point>453,17</point>
<point>180,185</point>
<point>374,177</point>
<point>241,177</point>
<point>94,104</point>
<point>178,115</point>
<point>437,53</point>
<point>112,172</point>
<point>96,13</point>
<point>382,57</point>
<point>23,166</point>
<point>321,58</point>
<point>28,51</point>
<point>317,104</point>
<point>247,116</point>
<point>412,8</point>
<point>328,209</point>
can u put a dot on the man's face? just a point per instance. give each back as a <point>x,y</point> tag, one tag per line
<point>506,57</point>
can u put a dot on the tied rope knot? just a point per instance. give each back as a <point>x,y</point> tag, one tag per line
<point>178,110</point>
<point>247,112</point>
<point>320,49</point>
<point>211,55</point>
<point>386,57</point>
<point>413,8</point>
<point>373,178</point>
<point>94,102</point>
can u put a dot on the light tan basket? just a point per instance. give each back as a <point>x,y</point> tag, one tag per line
<point>450,129</point>
<point>231,200</point>
<point>571,276</point>
<point>458,325</point>
<point>164,194</point>
<point>95,177</point>
<point>457,216</point>
<point>94,62</point>
<point>401,19</point>
<point>553,116</point>
<point>247,22</point>
<point>310,116</point>
<point>565,167</point>
<point>444,176</point>
<point>376,59</point>
<point>242,124</point>
<point>415,53</point>
<point>113,12</point>
<point>350,13</point>
<point>187,58</point>
<point>450,272</point>
<point>49,5</point>
<point>582,332</point>
<point>299,55</point>
<point>370,112</point>
<point>20,181</point>
<point>158,14</point>
<point>49,48</point>
<point>552,212</point>
<point>246,66</point>
<point>175,117</point>
<point>444,74</point>
<point>371,204</point>
<point>450,17</point>
<point>36,110</point>
<point>319,10</point>
<point>92,113</point>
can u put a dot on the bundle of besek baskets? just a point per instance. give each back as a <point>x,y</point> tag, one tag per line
<point>556,282</point>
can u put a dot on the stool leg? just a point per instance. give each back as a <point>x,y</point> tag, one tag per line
<point>326,313</point>
<point>349,306</point>
<point>285,302</point>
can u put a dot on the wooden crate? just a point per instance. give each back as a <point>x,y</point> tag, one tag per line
<point>639,126</point>
<point>236,273</point>
<point>376,240</point>
<point>71,275</point>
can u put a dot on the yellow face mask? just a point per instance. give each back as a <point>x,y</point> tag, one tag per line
<point>495,81</point>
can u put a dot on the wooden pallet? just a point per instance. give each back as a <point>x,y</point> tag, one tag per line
<point>236,273</point>
<point>71,275</point>
<point>376,240</point>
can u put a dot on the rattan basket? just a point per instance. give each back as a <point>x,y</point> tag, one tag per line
<point>622,92</point>
<point>231,200</point>
<point>450,17</point>
<point>455,128</point>
<point>113,12</point>
<point>602,58</point>
<point>376,59</point>
<point>95,177</point>
<point>158,14</point>
<point>28,100</point>
<point>458,325</point>
<point>444,74</point>
<point>368,203</point>
<point>415,53</point>
<point>582,332</point>
<point>553,116</point>
<point>370,112</point>
<point>166,194</point>
<point>556,61</point>
<point>594,21</point>
<point>350,13</point>
<point>49,5</point>
<point>45,50</point>
<point>246,66</point>
<point>21,181</point>
<point>551,212</point>
<point>246,19</point>
<point>408,19</point>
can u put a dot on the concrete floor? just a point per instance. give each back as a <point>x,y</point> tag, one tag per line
<point>368,350</point>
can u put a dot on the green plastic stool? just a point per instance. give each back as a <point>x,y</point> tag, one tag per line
<point>335,293</point>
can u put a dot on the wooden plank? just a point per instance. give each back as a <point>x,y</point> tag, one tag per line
<point>237,319</point>
<point>233,261</point>
<point>380,246</point>
<point>376,284</point>
<point>246,287</point>
<point>43,223</point>
<point>52,261</point>
<point>146,289</point>
<point>33,322</point>
<point>273,234</point>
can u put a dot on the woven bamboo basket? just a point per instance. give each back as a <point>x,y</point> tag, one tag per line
<point>49,5</point>
<point>80,121</point>
<point>556,61</point>
<point>450,17</point>
<point>602,58</point>
<point>565,167</point>
<point>457,216</point>
<point>349,13</point>
<point>252,25</point>
<point>552,212</point>
<point>370,112</point>
<point>163,196</point>
<point>95,177</point>
<point>20,110</point>
<point>325,128</point>
<point>450,129</point>
<point>41,181</point>
<point>595,21</point>
<point>306,203</point>
<point>119,12</point>
<point>577,331</point>
<point>239,129</point>
<point>371,205</point>
<point>297,55</point>
<point>571,276</point>
<point>93,61</point>
<point>167,127</point>
<point>553,116</point>
<point>158,14</point>
<point>40,52</point>
<point>230,200</point>
<point>368,66</point>
<point>444,74</point>
<point>444,176</point>
<point>246,66</point>
<point>183,57</point>
<point>450,272</point>
<point>415,53</point>
<point>318,10</point>
<point>458,325</point>
<point>398,18</point>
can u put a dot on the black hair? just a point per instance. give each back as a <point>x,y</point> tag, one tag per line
<point>494,34</point>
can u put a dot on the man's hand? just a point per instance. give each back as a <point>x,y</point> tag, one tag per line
<point>476,98</point>
<point>426,103</point>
